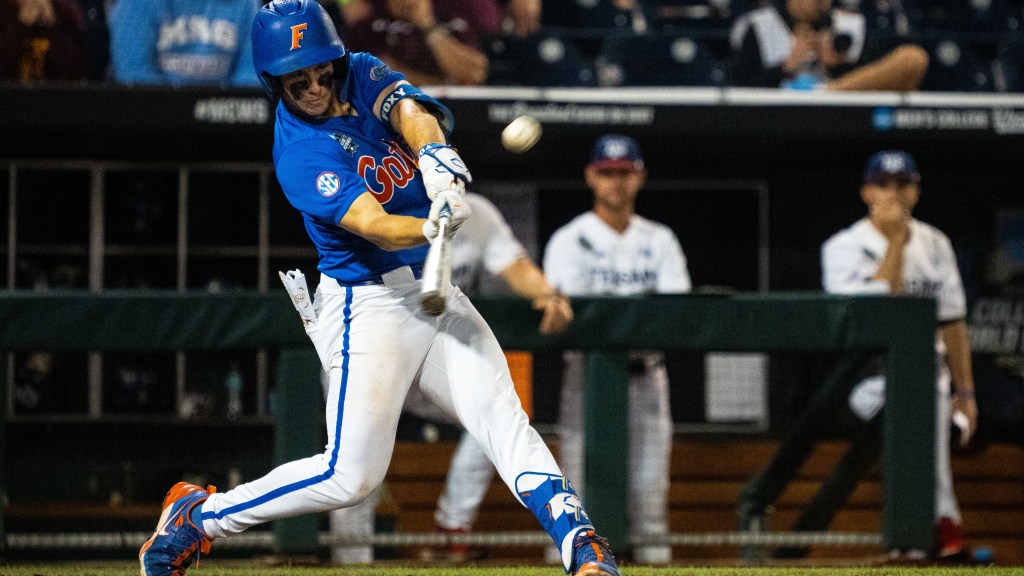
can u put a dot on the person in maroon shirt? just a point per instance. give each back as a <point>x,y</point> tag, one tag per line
<point>432,41</point>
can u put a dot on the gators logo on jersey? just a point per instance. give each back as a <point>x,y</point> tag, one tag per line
<point>394,171</point>
<point>328,184</point>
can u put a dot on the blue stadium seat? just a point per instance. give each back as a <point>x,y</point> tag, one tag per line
<point>539,60</point>
<point>956,67</point>
<point>963,15</point>
<point>596,15</point>
<point>657,60</point>
<point>882,16</point>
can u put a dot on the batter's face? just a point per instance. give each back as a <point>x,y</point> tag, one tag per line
<point>903,190</point>
<point>615,189</point>
<point>310,90</point>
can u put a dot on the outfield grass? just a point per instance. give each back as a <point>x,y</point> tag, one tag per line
<point>212,569</point>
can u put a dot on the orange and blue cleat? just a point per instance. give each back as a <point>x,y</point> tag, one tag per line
<point>592,556</point>
<point>177,540</point>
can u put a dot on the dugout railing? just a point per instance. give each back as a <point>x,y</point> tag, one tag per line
<point>902,329</point>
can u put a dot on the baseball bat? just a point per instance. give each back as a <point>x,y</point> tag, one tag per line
<point>437,269</point>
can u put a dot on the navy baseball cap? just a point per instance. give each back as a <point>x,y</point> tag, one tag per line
<point>891,164</point>
<point>616,152</point>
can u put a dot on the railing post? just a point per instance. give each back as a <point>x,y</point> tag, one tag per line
<point>3,455</point>
<point>909,449</point>
<point>297,434</point>
<point>606,444</point>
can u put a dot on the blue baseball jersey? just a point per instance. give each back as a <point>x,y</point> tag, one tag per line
<point>324,165</point>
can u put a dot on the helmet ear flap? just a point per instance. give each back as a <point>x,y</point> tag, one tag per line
<point>341,66</point>
<point>272,85</point>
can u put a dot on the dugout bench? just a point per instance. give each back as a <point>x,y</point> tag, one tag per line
<point>901,328</point>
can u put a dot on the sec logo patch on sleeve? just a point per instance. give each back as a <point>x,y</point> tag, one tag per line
<point>328,184</point>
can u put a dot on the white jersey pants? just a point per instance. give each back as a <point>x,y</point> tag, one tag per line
<point>469,477</point>
<point>650,447</point>
<point>376,344</point>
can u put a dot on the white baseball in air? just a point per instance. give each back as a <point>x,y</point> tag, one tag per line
<point>521,134</point>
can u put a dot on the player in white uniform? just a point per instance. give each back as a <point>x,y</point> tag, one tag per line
<point>890,252</point>
<point>484,243</point>
<point>363,156</point>
<point>613,251</point>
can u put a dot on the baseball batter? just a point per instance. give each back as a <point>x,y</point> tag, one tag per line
<point>890,252</point>
<point>613,251</point>
<point>363,156</point>
<point>485,243</point>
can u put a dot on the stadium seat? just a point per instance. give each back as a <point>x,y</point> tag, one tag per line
<point>963,15</point>
<point>956,67</point>
<point>539,60</point>
<point>663,60</point>
<point>596,15</point>
<point>882,16</point>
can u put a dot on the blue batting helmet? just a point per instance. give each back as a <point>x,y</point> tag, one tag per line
<point>288,35</point>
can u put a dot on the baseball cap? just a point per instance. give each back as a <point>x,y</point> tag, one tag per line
<point>615,151</point>
<point>891,164</point>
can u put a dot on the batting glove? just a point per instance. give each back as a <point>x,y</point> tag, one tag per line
<point>458,210</point>
<point>442,169</point>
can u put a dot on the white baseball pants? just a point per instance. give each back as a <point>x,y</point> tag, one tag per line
<point>376,343</point>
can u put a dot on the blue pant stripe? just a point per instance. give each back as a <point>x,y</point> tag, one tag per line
<point>337,432</point>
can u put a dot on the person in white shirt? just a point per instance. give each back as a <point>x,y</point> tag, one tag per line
<point>610,250</point>
<point>484,244</point>
<point>890,252</point>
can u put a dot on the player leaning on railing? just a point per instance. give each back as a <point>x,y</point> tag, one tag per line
<point>891,252</point>
<point>345,133</point>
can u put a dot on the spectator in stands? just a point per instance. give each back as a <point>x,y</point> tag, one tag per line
<point>432,41</point>
<point>612,251</point>
<point>183,42</point>
<point>811,45</point>
<point>890,252</point>
<point>43,40</point>
<point>522,17</point>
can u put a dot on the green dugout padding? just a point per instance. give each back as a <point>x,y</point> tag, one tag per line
<point>902,328</point>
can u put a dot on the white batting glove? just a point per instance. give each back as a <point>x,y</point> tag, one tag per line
<point>459,210</point>
<point>295,283</point>
<point>442,169</point>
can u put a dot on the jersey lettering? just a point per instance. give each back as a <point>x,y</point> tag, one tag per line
<point>185,30</point>
<point>607,277</point>
<point>395,171</point>
<point>385,107</point>
<point>297,35</point>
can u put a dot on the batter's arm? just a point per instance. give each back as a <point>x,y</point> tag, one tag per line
<point>366,218</point>
<point>958,358</point>
<point>416,124</point>
<point>527,280</point>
